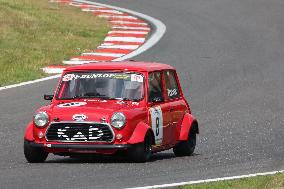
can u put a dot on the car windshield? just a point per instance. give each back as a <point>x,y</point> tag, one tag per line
<point>103,85</point>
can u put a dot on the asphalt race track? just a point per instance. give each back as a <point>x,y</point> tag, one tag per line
<point>230,59</point>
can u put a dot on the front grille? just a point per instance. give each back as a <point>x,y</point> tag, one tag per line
<point>79,132</point>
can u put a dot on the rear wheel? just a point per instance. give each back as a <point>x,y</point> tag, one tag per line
<point>141,152</point>
<point>34,155</point>
<point>186,148</point>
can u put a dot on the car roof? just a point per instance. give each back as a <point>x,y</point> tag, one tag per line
<point>125,65</point>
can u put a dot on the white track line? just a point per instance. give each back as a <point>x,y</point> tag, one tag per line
<point>29,82</point>
<point>207,180</point>
<point>159,27</point>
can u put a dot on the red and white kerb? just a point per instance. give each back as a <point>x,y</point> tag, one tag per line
<point>128,33</point>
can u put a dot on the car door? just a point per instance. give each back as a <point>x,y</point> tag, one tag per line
<point>159,111</point>
<point>177,105</point>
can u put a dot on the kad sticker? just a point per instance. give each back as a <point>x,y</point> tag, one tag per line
<point>72,104</point>
<point>136,77</point>
<point>157,123</point>
<point>67,134</point>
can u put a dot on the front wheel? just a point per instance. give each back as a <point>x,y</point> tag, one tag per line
<point>186,148</point>
<point>141,152</point>
<point>34,155</point>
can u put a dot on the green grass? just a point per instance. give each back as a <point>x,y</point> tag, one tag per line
<point>260,182</point>
<point>36,33</point>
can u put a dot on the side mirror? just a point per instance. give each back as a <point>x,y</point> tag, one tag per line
<point>48,97</point>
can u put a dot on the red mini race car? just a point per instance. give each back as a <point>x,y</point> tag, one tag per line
<point>104,108</point>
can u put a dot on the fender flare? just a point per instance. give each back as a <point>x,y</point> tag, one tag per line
<point>29,134</point>
<point>189,123</point>
<point>139,133</point>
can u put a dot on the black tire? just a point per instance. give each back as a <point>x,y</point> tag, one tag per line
<point>141,152</point>
<point>34,155</point>
<point>186,148</point>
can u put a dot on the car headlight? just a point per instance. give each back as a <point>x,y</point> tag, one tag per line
<point>41,119</point>
<point>118,120</point>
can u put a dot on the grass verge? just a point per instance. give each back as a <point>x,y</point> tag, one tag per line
<point>260,182</point>
<point>36,33</point>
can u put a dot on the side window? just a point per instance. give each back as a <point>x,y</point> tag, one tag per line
<point>171,85</point>
<point>155,91</point>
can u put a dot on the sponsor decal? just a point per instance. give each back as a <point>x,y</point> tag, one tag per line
<point>69,77</point>
<point>79,117</point>
<point>137,78</point>
<point>72,104</point>
<point>172,92</point>
<point>157,123</point>
<point>67,133</point>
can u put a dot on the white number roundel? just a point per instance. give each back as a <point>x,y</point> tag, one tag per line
<point>157,123</point>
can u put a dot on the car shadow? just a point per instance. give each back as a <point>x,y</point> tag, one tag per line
<point>111,159</point>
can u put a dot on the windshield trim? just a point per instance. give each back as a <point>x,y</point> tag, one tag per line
<point>101,98</point>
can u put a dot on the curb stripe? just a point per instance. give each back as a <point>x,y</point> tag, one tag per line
<point>126,35</point>
<point>103,54</point>
<point>128,31</point>
<point>128,25</point>
<point>125,39</point>
<point>118,16</point>
<point>131,28</point>
<point>102,11</point>
<point>76,62</point>
<point>121,43</point>
<point>130,47</point>
<point>109,13</point>
<point>93,57</point>
<point>54,69</point>
<point>124,22</point>
<point>125,19</point>
<point>123,51</point>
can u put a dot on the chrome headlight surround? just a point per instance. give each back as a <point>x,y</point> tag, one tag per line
<point>118,120</point>
<point>41,119</point>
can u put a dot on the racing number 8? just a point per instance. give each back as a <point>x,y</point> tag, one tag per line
<point>157,126</point>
